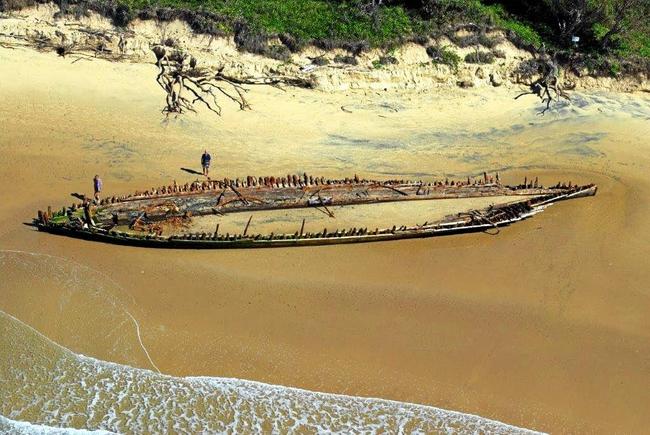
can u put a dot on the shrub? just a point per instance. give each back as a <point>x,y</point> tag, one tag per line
<point>479,57</point>
<point>595,64</point>
<point>166,14</point>
<point>278,52</point>
<point>326,43</point>
<point>206,23</point>
<point>419,39</point>
<point>637,65</point>
<point>122,15</point>
<point>383,61</point>
<point>601,65</point>
<point>487,41</point>
<point>356,47</point>
<point>443,55</point>
<point>522,35</point>
<point>475,39</point>
<point>169,42</point>
<point>320,61</point>
<point>249,40</point>
<point>614,68</point>
<point>446,12</point>
<point>14,5</point>
<point>78,11</point>
<point>348,60</point>
<point>351,25</point>
<point>291,42</point>
<point>393,23</point>
<point>526,69</point>
<point>388,60</point>
<point>148,13</point>
<point>499,53</point>
<point>634,45</point>
<point>464,41</point>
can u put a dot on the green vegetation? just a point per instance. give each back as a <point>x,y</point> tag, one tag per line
<point>348,60</point>
<point>609,28</point>
<point>305,20</point>
<point>604,27</point>
<point>479,57</point>
<point>614,68</point>
<point>525,32</point>
<point>444,56</point>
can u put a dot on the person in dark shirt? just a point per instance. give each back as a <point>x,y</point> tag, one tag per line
<point>97,186</point>
<point>205,162</point>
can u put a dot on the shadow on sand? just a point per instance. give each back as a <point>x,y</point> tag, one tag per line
<point>192,171</point>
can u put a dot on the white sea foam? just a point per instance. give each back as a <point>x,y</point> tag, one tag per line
<point>78,289</point>
<point>49,385</point>
<point>25,428</point>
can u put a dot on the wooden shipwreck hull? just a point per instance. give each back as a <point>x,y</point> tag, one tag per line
<point>268,193</point>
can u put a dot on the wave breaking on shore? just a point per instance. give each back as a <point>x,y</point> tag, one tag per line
<point>55,389</point>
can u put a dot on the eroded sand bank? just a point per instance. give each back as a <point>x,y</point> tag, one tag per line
<point>544,326</point>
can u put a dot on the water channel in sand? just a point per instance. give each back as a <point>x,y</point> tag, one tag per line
<point>544,326</point>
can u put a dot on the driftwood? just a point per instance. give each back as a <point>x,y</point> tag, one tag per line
<point>541,76</point>
<point>247,225</point>
<point>96,46</point>
<point>187,84</point>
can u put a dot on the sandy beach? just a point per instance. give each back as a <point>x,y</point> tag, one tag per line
<point>544,326</point>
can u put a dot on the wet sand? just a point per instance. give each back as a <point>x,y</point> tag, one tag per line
<point>544,326</point>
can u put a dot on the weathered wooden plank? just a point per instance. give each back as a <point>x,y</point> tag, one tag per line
<point>473,220</point>
<point>211,197</point>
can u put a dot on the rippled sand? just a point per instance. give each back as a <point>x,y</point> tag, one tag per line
<point>544,326</point>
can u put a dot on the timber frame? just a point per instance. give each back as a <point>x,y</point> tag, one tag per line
<point>267,193</point>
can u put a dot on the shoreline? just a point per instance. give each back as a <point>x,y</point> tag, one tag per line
<point>222,385</point>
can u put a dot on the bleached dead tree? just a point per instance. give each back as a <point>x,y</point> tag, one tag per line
<point>542,77</point>
<point>186,84</point>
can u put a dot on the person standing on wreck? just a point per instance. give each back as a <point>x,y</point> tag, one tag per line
<point>205,162</point>
<point>88,216</point>
<point>97,186</point>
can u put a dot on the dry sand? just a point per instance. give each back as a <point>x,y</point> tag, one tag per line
<point>544,326</point>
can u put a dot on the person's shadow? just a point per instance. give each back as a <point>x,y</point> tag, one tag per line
<point>192,171</point>
<point>80,196</point>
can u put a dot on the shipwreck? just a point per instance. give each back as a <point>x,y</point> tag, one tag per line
<point>139,218</point>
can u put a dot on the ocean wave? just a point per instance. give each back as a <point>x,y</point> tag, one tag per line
<point>48,385</point>
<point>25,428</point>
<point>87,306</point>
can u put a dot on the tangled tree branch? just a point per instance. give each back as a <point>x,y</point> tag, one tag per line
<point>542,77</point>
<point>186,83</point>
<point>96,44</point>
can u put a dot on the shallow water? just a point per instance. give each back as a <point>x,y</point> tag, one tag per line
<point>58,388</point>
<point>543,326</point>
<point>59,295</point>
